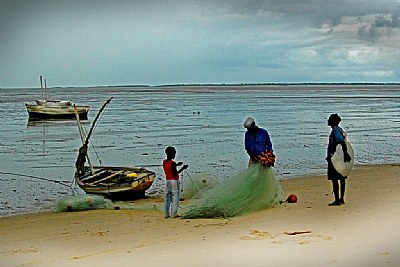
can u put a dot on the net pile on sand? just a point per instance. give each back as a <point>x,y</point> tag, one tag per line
<point>254,189</point>
<point>83,202</point>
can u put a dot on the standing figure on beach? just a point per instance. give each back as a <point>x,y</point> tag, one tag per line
<point>80,161</point>
<point>172,182</point>
<point>253,189</point>
<point>257,143</point>
<point>336,137</point>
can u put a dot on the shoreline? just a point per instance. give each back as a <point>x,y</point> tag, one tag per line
<point>362,232</point>
<point>221,85</point>
<point>158,199</point>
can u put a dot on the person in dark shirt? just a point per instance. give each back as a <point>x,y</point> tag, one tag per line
<point>336,137</point>
<point>256,140</point>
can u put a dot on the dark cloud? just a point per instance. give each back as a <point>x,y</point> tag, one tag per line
<point>383,26</point>
<point>316,11</point>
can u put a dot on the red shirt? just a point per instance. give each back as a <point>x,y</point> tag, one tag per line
<point>169,174</point>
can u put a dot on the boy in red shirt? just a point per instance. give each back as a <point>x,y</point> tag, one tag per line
<point>172,182</point>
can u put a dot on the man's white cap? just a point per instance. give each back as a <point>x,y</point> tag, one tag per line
<point>248,122</point>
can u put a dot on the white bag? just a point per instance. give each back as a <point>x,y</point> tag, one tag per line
<point>344,168</point>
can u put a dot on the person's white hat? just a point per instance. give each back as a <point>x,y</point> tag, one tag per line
<point>248,122</point>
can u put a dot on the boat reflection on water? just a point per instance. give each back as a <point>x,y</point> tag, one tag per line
<point>48,130</point>
<point>50,122</point>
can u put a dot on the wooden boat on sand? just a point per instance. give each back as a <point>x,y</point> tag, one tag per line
<point>116,183</point>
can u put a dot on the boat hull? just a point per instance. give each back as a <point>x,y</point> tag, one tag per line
<point>116,183</point>
<point>49,112</point>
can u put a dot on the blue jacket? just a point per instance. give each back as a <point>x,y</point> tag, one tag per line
<point>335,138</point>
<point>257,142</point>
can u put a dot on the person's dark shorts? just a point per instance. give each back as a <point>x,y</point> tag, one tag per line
<point>333,174</point>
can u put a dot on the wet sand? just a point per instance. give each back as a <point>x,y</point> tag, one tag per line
<point>363,232</point>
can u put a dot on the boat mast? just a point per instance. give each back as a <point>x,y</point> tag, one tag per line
<point>85,141</point>
<point>82,134</point>
<point>41,86</point>
<point>46,94</point>
<point>95,120</point>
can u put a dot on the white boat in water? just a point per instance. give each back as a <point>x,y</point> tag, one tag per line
<point>36,111</point>
<point>46,108</point>
<point>53,103</point>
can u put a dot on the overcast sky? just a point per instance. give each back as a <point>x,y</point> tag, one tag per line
<point>90,43</point>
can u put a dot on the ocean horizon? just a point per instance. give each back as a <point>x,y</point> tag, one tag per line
<point>386,84</point>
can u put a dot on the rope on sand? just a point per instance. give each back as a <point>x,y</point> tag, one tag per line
<point>36,177</point>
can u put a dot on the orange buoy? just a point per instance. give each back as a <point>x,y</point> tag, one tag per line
<point>292,198</point>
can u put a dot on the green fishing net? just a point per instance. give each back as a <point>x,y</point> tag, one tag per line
<point>254,189</point>
<point>195,187</point>
<point>83,202</point>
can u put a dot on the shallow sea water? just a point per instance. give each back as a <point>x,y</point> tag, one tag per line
<point>204,123</point>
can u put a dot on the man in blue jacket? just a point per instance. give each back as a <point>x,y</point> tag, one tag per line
<point>256,140</point>
<point>336,137</point>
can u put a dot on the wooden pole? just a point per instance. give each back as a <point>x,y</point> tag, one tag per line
<point>95,120</point>
<point>86,141</point>
<point>46,94</point>
<point>82,134</point>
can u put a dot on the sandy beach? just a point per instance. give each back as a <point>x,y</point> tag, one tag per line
<point>363,232</point>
